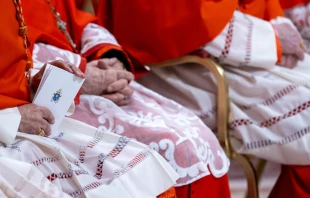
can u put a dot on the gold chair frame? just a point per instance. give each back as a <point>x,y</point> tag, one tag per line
<point>223,109</point>
<point>252,175</point>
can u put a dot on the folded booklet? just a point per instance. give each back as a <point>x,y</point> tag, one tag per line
<point>57,91</point>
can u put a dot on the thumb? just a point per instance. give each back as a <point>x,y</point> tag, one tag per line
<point>41,72</point>
<point>300,53</point>
<point>102,65</point>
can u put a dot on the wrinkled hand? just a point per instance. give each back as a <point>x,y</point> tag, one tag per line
<point>291,43</point>
<point>289,61</point>
<point>60,64</point>
<point>111,63</point>
<point>121,97</point>
<point>119,94</point>
<point>34,118</point>
<point>290,40</point>
<point>103,81</point>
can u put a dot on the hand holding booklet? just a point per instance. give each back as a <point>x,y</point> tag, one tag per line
<point>57,91</point>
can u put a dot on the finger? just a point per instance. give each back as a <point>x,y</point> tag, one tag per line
<point>41,72</point>
<point>103,64</point>
<point>68,67</point>
<point>44,125</point>
<point>62,65</point>
<point>127,91</point>
<point>36,130</point>
<point>47,115</point>
<point>283,60</point>
<point>300,53</point>
<point>93,63</point>
<point>117,85</point>
<point>113,60</point>
<point>291,61</point>
<point>115,97</point>
<point>77,71</point>
<point>125,75</point>
<point>123,102</point>
<point>37,79</point>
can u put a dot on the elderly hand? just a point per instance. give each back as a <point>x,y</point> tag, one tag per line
<point>34,118</point>
<point>120,91</point>
<point>291,43</point>
<point>289,61</point>
<point>101,81</point>
<point>111,63</point>
<point>60,64</point>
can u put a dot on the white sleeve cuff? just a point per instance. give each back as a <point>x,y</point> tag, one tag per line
<point>245,41</point>
<point>9,123</point>
<point>280,20</point>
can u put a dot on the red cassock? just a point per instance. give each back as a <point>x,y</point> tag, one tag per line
<point>264,9</point>
<point>42,27</point>
<point>159,30</point>
<point>14,90</point>
<point>287,4</point>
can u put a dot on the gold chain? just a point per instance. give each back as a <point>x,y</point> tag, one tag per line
<point>23,30</point>
<point>62,26</point>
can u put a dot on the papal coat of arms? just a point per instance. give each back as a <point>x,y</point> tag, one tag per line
<point>56,96</point>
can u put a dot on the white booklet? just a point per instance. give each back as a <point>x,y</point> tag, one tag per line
<point>57,91</point>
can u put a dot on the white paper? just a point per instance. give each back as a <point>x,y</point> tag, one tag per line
<point>57,91</point>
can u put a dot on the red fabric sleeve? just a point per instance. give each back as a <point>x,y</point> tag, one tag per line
<point>273,10</point>
<point>110,50</point>
<point>287,4</point>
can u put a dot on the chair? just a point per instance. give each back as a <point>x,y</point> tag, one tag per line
<point>251,173</point>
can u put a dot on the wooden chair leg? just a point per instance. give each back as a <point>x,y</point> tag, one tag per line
<point>250,174</point>
<point>260,169</point>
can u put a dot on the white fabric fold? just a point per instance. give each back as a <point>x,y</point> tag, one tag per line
<point>83,161</point>
<point>9,123</point>
<point>19,179</point>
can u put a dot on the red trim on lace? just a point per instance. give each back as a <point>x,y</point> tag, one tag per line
<point>248,49</point>
<point>240,122</point>
<point>271,121</point>
<point>136,160</point>
<point>91,144</point>
<point>96,139</point>
<point>122,142</point>
<point>54,176</point>
<point>285,140</point>
<point>46,159</point>
<point>81,172</point>
<point>274,98</point>
<point>101,159</point>
<point>228,40</point>
<point>82,153</point>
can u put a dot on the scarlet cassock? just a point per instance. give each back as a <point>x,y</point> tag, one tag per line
<point>269,104</point>
<point>170,129</point>
<point>77,160</point>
